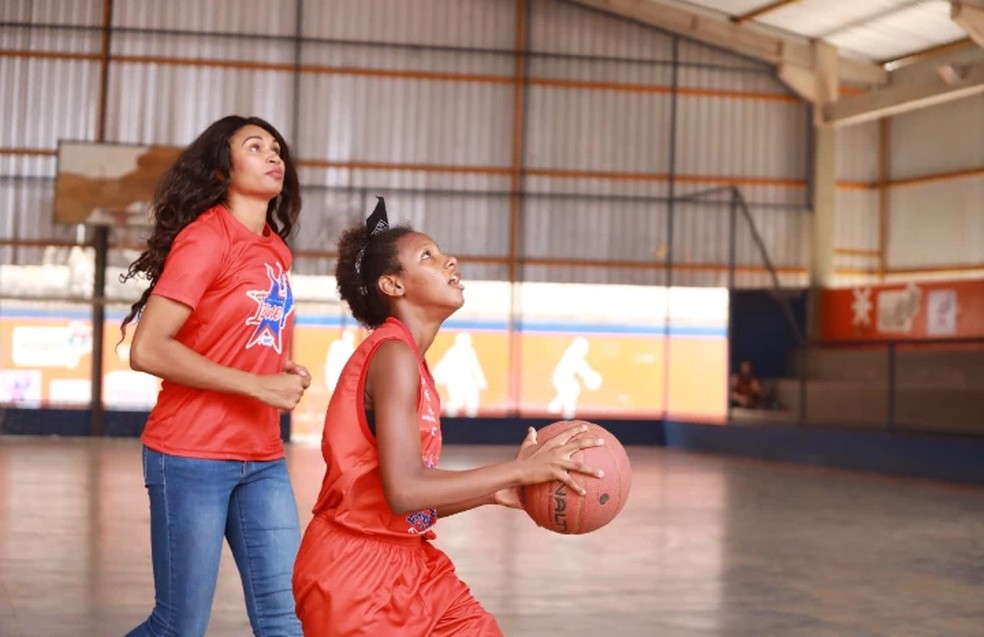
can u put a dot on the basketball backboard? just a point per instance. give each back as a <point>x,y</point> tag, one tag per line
<point>96,183</point>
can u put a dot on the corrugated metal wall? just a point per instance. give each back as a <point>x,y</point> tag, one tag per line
<point>910,198</point>
<point>47,93</point>
<point>580,159</point>
<point>857,222</point>
<point>936,220</point>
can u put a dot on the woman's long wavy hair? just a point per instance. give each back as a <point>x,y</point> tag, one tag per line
<point>197,181</point>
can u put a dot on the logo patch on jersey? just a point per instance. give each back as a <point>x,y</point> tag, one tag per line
<point>420,521</point>
<point>274,306</point>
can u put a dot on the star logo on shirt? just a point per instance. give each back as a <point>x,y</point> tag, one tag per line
<point>274,306</point>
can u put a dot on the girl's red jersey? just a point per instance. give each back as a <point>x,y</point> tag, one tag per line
<point>352,490</point>
<point>362,570</point>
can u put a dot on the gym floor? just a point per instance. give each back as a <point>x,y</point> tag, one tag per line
<point>706,545</point>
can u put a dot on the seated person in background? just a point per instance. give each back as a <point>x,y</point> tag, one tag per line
<point>746,390</point>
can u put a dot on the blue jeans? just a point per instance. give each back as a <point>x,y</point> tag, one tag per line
<point>194,503</point>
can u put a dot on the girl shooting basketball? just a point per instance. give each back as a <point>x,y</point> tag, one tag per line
<point>366,565</point>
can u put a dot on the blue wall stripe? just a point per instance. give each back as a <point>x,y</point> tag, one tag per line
<point>329,321</point>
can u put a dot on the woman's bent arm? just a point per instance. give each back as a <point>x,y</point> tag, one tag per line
<point>155,350</point>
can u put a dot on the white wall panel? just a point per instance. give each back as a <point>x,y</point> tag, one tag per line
<point>342,57</point>
<point>855,269</point>
<point>229,16</point>
<point>785,234</point>
<point>403,121</point>
<point>73,12</point>
<point>42,101</point>
<point>858,149</point>
<point>856,214</point>
<point>641,76</point>
<point>597,130</point>
<point>486,24</point>
<point>742,138</point>
<point>647,188</point>
<point>26,213</point>
<point>171,105</point>
<point>27,167</point>
<point>653,275</point>
<point>711,81</point>
<point>937,224</point>
<point>788,193</point>
<point>473,225</point>
<point>203,47</point>
<point>746,277</point>
<point>19,198</point>
<point>856,224</point>
<point>939,139</point>
<point>41,39</point>
<point>461,224</point>
<point>702,236</point>
<point>562,28</point>
<point>387,178</point>
<point>594,230</point>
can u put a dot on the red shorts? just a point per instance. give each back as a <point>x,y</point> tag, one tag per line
<point>348,583</point>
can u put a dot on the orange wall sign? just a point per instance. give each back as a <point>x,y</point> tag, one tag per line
<point>929,310</point>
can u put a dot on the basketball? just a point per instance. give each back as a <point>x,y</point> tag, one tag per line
<point>555,507</point>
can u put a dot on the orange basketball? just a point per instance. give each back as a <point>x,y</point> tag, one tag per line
<point>554,506</point>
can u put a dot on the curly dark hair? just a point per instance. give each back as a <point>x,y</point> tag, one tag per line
<point>197,181</point>
<point>359,289</point>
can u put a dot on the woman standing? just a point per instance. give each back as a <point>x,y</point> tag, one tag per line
<point>215,324</point>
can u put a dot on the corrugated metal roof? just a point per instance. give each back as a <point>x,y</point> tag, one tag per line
<point>880,30</point>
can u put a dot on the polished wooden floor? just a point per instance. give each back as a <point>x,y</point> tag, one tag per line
<point>706,546</point>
